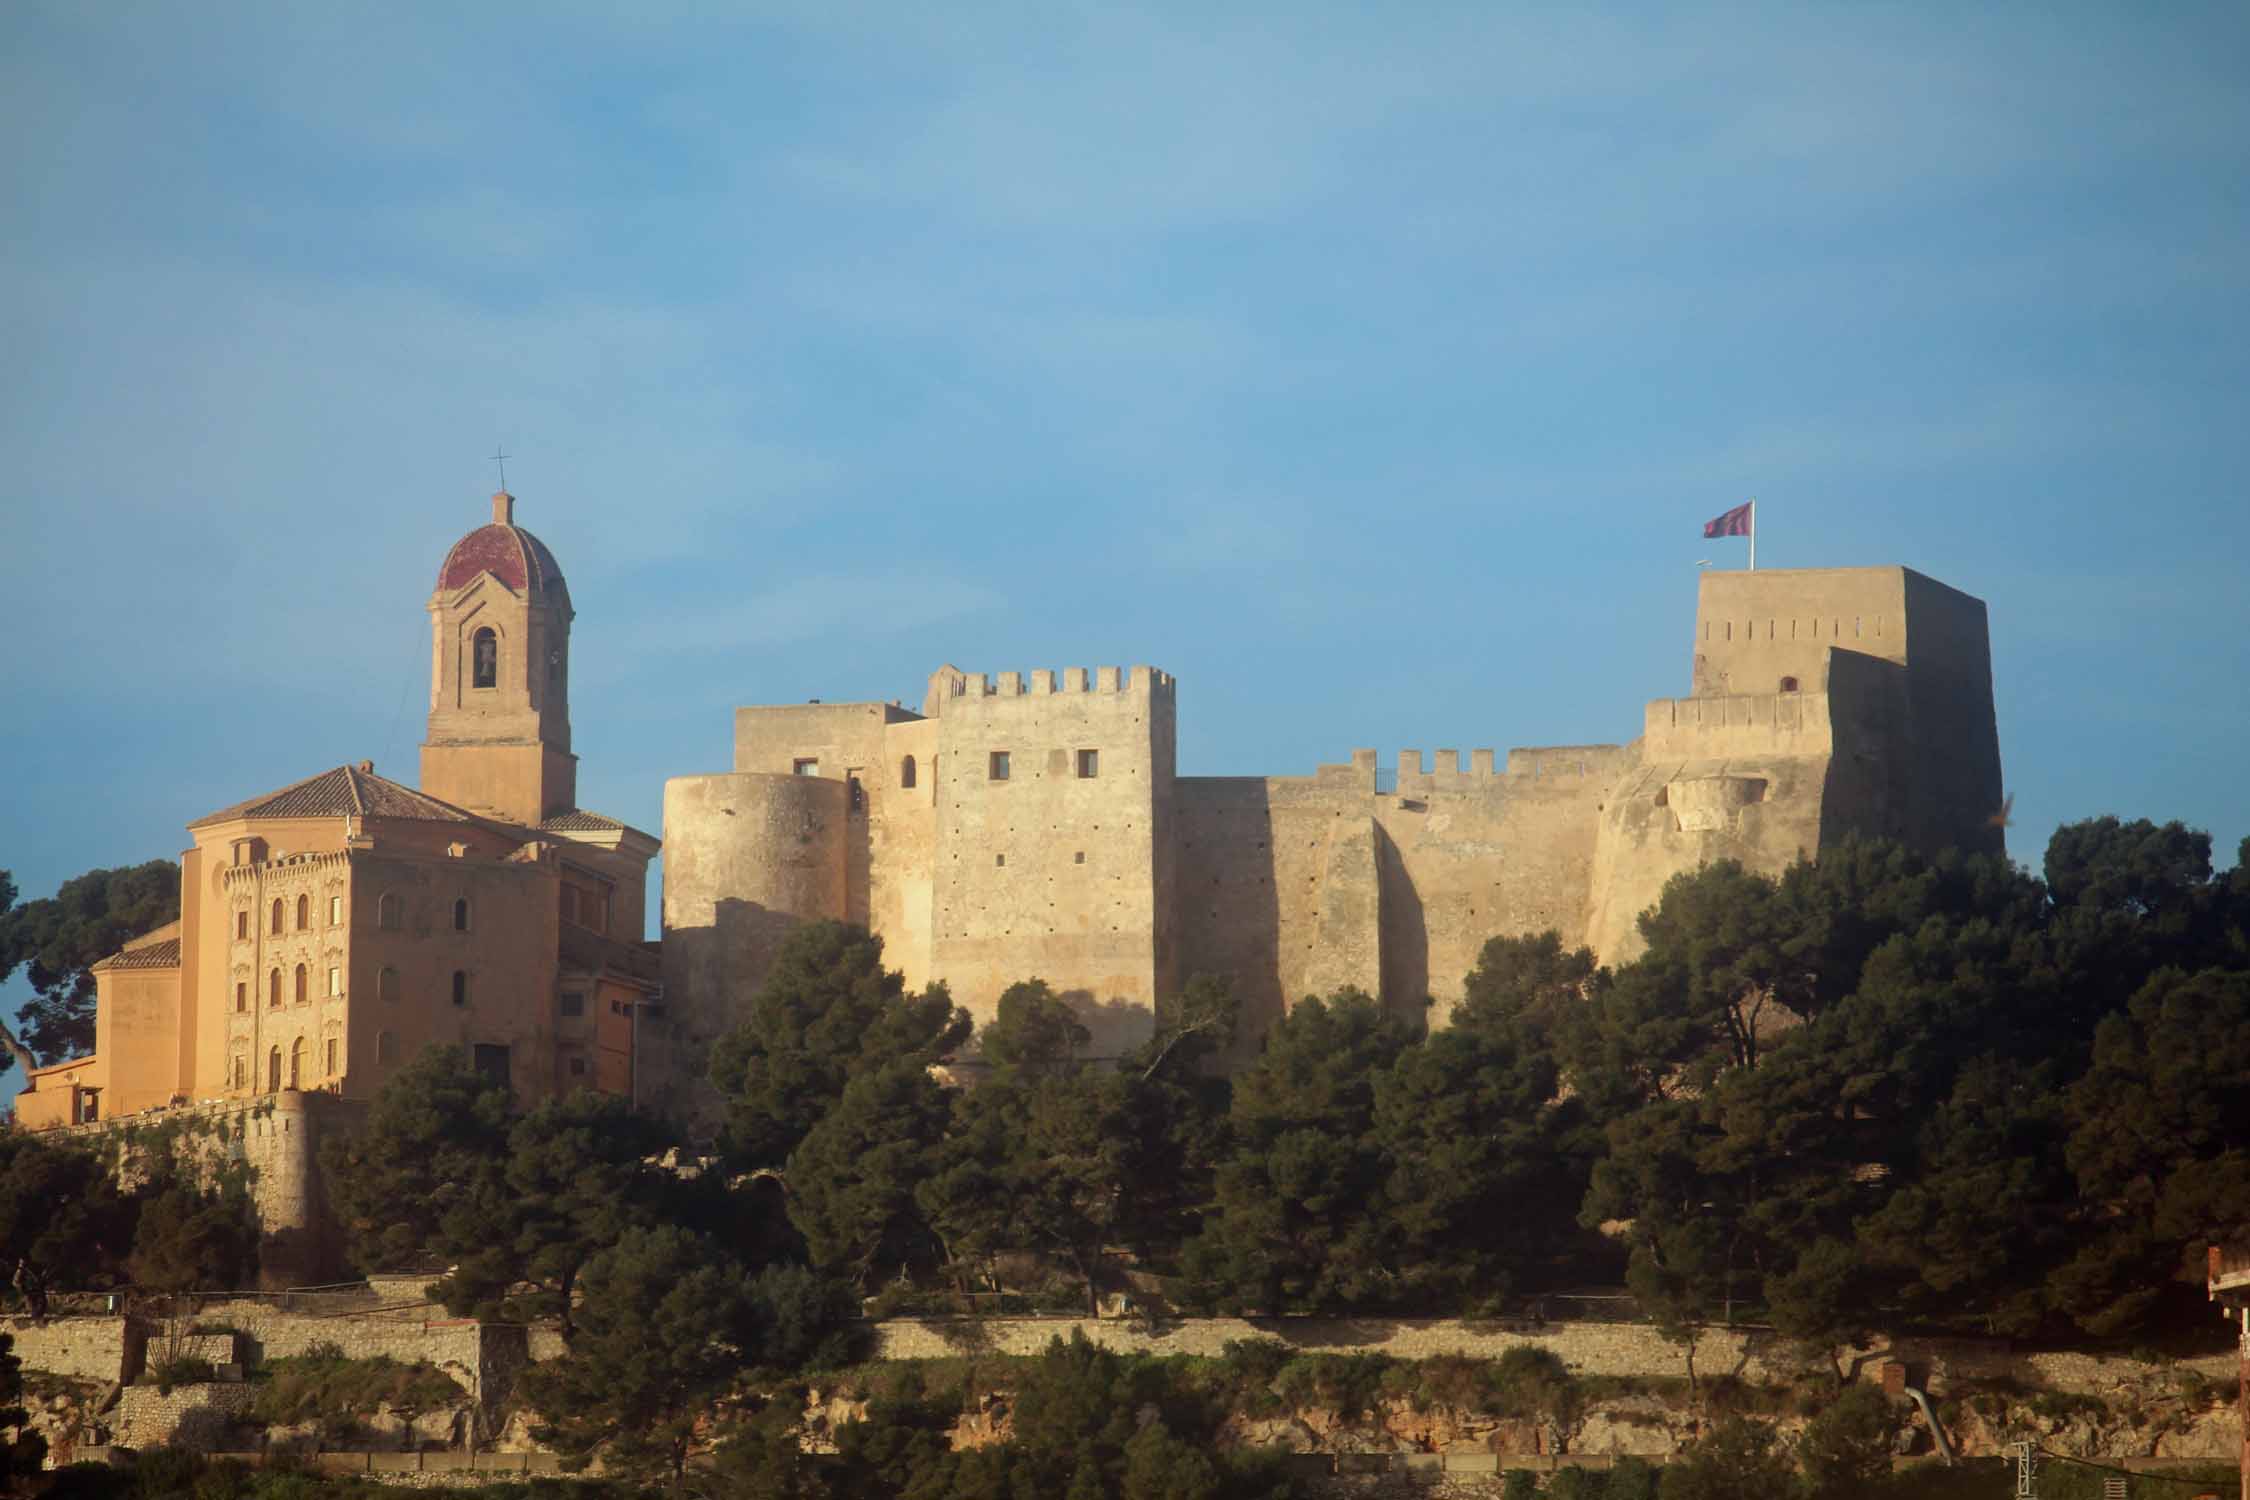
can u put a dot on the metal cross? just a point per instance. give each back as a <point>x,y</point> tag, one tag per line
<point>502,460</point>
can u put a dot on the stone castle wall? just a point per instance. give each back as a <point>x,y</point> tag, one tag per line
<point>1823,703</point>
<point>277,1139</point>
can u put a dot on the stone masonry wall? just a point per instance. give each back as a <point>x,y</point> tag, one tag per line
<point>1608,1349</point>
<point>102,1349</point>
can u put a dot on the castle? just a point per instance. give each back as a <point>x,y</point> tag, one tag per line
<point>1014,827</point>
<point>1037,825</point>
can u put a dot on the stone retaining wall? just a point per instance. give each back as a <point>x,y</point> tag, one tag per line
<point>101,1349</point>
<point>190,1416</point>
<point>1587,1348</point>
<point>1613,1349</point>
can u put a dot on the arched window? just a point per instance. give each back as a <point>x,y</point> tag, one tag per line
<point>273,1071</point>
<point>1789,684</point>
<point>304,912</point>
<point>297,1063</point>
<point>386,911</point>
<point>275,924</point>
<point>460,987</point>
<point>238,1070</point>
<point>273,988</point>
<point>461,914</point>
<point>906,772</point>
<point>386,985</point>
<point>303,992</point>
<point>484,655</point>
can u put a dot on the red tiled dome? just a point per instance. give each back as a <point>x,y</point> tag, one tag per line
<point>508,552</point>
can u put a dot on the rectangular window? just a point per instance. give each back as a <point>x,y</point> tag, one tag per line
<point>578,1067</point>
<point>332,1057</point>
<point>335,983</point>
<point>999,765</point>
<point>1089,764</point>
<point>573,1003</point>
<point>804,768</point>
<point>242,924</point>
<point>335,911</point>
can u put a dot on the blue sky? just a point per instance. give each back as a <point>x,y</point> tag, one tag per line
<point>1371,368</point>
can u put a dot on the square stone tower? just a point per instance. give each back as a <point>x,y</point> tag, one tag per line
<point>1054,846</point>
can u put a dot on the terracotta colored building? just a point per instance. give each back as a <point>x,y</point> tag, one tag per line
<point>331,930</point>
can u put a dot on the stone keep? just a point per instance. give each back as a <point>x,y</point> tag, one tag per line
<point>1035,825</point>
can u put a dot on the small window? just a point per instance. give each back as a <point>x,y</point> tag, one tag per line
<point>242,924</point>
<point>1079,858</point>
<point>578,1067</point>
<point>304,912</point>
<point>1789,684</point>
<point>386,911</point>
<point>999,765</point>
<point>999,859</point>
<point>238,1071</point>
<point>461,914</point>
<point>573,1003</point>
<point>304,986</point>
<point>460,987</point>
<point>241,995</point>
<point>273,1071</point>
<point>333,1047</point>
<point>804,767</point>
<point>1089,764</point>
<point>906,773</point>
<point>335,911</point>
<point>856,793</point>
<point>297,1063</point>
<point>273,988</point>
<point>335,982</point>
<point>386,985</point>
<point>484,652</point>
<point>275,925</point>
<point>386,1047</point>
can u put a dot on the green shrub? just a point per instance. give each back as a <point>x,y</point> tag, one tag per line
<point>186,1370</point>
<point>1521,1484</point>
<point>1529,1382</point>
<point>322,1385</point>
<point>1345,1383</point>
<point>1632,1479</point>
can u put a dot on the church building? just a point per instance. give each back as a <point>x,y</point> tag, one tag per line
<point>332,929</point>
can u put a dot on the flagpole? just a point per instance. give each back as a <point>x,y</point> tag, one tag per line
<point>1753,536</point>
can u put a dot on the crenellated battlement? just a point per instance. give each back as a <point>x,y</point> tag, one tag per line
<point>1142,681</point>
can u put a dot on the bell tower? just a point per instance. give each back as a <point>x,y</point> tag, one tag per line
<point>499,731</point>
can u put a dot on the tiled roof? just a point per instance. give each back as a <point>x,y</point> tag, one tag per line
<point>347,791</point>
<point>578,820</point>
<point>164,955</point>
<point>510,553</point>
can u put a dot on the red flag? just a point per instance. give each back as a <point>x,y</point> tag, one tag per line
<point>1735,522</point>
